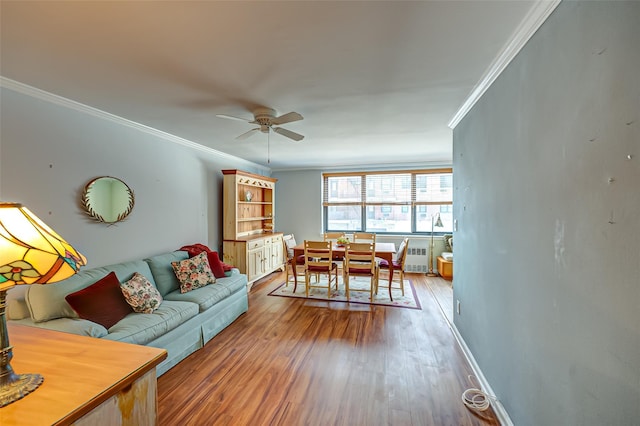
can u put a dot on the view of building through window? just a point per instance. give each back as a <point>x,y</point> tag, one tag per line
<point>388,202</point>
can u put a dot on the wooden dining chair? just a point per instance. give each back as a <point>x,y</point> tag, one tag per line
<point>364,237</point>
<point>360,261</point>
<point>318,260</point>
<point>333,236</point>
<point>289,242</point>
<point>398,265</point>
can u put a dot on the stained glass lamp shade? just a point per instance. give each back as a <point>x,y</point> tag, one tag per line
<point>30,253</point>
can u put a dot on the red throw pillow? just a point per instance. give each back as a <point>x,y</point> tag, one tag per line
<point>101,302</point>
<point>216,265</point>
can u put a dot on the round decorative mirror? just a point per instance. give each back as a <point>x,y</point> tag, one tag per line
<point>107,199</point>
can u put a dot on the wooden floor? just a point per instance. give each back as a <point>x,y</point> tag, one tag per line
<point>296,362</point>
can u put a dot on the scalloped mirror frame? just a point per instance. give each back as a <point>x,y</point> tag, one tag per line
<point>107,199</point>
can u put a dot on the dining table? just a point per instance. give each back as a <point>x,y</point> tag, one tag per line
<point>383,251</point>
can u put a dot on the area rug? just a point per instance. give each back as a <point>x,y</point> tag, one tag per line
<point>409,300</point>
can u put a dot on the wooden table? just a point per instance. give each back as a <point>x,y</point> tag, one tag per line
<point>383,250</point>
<point>86,380</point>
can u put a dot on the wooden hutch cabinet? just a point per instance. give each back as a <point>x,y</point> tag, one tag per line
<point>249,242</point>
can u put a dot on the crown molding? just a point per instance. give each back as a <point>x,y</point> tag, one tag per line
<point>373,167</point>
<point>36,93</point>
<point>529,25</point>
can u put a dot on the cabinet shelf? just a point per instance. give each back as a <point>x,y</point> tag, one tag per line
<point>255,202</point>
<point>251,219</point>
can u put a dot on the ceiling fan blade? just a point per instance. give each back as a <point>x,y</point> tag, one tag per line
<point>288,133</point>
<point>287,118</point>
<point>231,117</point>
<point>245,135</point>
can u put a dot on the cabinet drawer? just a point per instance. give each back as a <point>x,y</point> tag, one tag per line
<point>255,243</point>
<point>276,239</point>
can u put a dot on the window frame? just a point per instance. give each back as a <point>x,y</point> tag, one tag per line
<point>412,204</point>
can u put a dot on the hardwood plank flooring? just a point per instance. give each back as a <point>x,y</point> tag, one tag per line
<point>296,362</point>
<point>442,290</point>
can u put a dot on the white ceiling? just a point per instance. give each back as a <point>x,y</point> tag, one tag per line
<point>377,81</point>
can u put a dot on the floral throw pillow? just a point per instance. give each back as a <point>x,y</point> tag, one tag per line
<point>143,297</point>
<point>194,272</point>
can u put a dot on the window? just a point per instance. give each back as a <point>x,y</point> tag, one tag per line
<point>388,202</point>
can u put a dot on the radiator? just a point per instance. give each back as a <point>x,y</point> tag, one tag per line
<point>418,252</point>
<point>417,255</point>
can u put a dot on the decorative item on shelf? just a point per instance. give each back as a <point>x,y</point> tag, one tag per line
<point>30,253</point>
<point>342,241</point>
<point>248,196</point>
<point>438,223</point>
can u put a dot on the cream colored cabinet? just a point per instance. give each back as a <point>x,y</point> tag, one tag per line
<point>277,252</point>
<point>249,242</point>
<point>255,263</point>
<point>255,256</point>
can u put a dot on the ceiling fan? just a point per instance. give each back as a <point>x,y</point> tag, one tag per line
<point>266,119</point>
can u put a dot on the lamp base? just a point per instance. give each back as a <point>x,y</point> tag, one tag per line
<point>20,386</point>
<point>12,386</point>
<point>432,274</point>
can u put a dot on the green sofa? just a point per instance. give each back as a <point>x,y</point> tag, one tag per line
<point>182,324</point>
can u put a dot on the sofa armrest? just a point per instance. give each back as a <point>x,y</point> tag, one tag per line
<point>233,271</point>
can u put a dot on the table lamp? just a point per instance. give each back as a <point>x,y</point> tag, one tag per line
<point>30,253</point>
<point>439,224</point>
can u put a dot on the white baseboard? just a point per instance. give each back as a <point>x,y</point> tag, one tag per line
<point>499,409</point>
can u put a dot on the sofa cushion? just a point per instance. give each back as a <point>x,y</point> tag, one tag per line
<point>141,294</point>
<point>209,295</point>
<point>78,326</point>
<point>160,266</point>
<point>47,302</point>
<point>101,302</point>
<point>16,304</point>
<point>141,329</point>
<point>193,273</point>
<point>204,297</point>
<point>233,282</point>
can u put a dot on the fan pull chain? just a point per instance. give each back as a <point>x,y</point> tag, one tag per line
<point>269,147</point>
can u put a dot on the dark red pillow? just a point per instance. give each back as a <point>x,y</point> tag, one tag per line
<point>101,302</point>
<point>216,264</point>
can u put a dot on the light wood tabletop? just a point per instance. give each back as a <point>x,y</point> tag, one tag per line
<point>80,373</point>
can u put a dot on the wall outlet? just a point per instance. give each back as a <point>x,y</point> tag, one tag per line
<point>458,307</point>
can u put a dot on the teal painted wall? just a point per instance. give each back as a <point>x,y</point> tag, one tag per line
<point>547,171</point>
<point>48,152</point>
